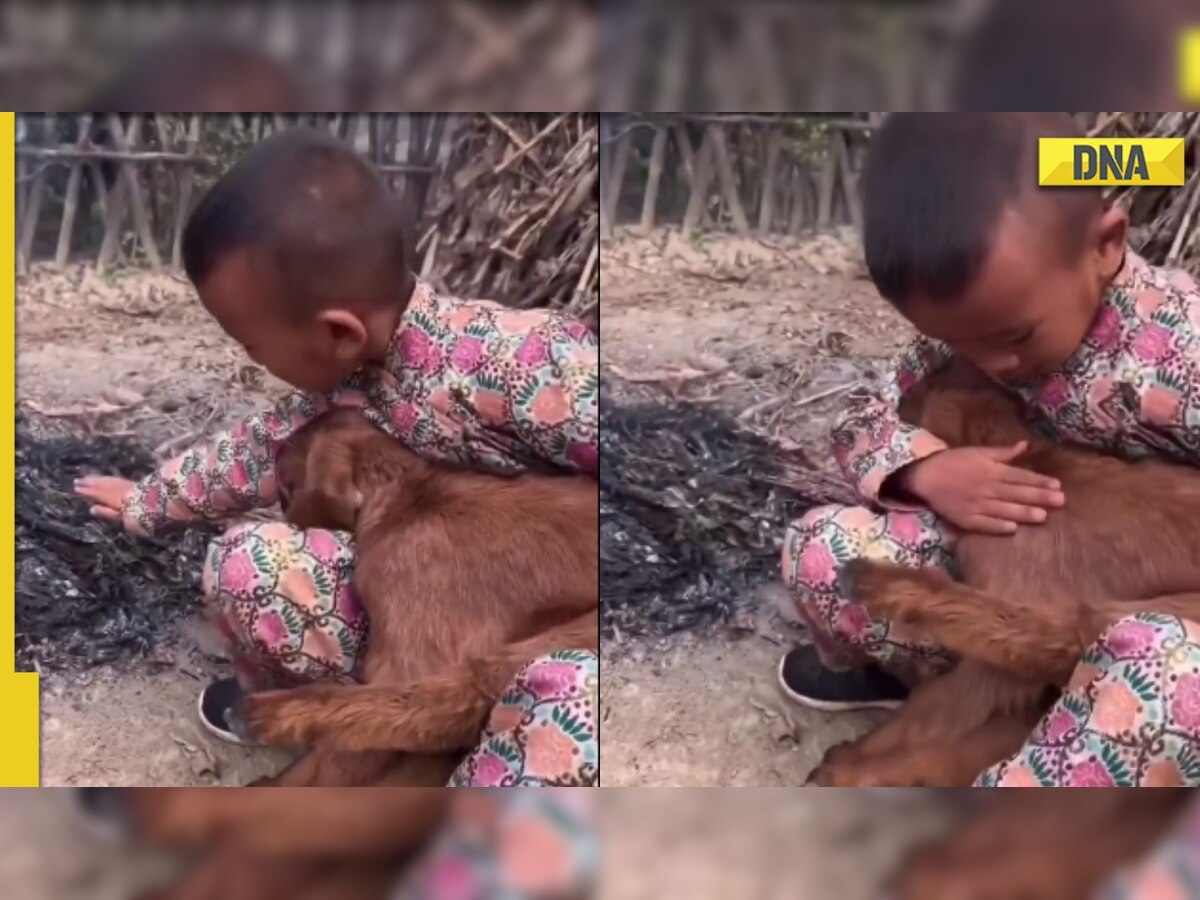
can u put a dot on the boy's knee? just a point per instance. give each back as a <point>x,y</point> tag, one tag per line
<point>809,549</point>
<point>231,565</point>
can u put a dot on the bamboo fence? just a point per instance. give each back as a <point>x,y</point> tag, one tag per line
<point>504,205</point>
<point>780,174</point>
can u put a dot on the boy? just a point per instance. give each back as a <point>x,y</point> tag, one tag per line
<point>298,253</point>
<point>1035,287</point>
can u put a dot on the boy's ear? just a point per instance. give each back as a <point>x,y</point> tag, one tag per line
<point>1111,234</point>
<point>347,332</point>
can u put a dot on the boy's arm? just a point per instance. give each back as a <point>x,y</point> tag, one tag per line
<point>870,441</point>
<point>230,473</point>
<point>555,403</point>
<point>534,399</point>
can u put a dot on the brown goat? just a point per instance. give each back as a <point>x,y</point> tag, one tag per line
<point>464,577</point>
<point>1040,845</point>
<point>1127,541</point>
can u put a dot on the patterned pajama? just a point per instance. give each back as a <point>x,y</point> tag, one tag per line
<point>511,845</point>
<point>466,382</point>
<point>1130,716</point>
<point>1132,388</point>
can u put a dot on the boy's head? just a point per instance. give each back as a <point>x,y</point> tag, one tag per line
<point>299,252</point>
<point>959,237</point>
<point>200,72</point>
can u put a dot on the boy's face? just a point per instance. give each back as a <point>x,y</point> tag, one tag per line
<point>312,354</point>
<point>1030,307</point>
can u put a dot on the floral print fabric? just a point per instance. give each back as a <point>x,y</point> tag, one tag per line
<point>511,845</point>
<point>284,599</point>
<point>543,732</point>
<point>1130,716</point>
<point>467,381</point>
<point>814,550</point>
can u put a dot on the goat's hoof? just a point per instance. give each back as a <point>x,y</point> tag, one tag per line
<point>832,771</point>
<point>850,578</point>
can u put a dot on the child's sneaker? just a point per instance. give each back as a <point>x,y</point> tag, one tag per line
<point>804,679</point>
<point>215,708</point>
<point>101,813</point>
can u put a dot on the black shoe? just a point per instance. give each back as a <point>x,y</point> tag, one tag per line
<point>805,680</point>
<point>216,710</point>
<point>102,813</point>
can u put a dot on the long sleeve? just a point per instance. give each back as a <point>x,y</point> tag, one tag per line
<point>870,441</point>
<point>466,382</point>
<point>498,389</point>
<point>231,473</point>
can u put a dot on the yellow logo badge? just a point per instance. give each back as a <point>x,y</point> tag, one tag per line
<point>1107,161</point>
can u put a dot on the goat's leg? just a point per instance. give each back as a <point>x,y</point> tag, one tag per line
<point>438,714</point>
<point>1033,636</point>
<point>937,764</point>
<point>1041,845</point>
<point>948,707</point>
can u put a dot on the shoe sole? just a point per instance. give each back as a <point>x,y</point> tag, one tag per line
<point>831,706</point>
<point>220,734</point>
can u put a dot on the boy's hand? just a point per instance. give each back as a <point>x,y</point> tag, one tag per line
<point>977,490</point>
<point>106,494</point>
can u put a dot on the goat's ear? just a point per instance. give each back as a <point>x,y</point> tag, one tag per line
<point>330,474</point>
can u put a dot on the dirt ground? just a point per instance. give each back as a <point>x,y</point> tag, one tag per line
<point>133,354</point>
<point>776,333</point>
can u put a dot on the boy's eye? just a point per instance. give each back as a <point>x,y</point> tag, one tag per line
<point>1023,337</point>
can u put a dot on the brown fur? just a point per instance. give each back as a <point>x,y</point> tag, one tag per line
<point>316,844</point>
<point>1127,541</point>
<point>460,573</point>
<point>1040,845</point>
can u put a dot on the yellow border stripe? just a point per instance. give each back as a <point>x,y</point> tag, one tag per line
<point>19,756</point>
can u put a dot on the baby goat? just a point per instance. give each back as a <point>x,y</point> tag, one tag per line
<point>463,576</point>
<point>1127,541</point>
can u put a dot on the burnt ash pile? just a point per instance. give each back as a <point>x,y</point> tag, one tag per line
<point>692,512</point>
<point>87,593</point>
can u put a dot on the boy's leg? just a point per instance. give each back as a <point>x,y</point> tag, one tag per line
<point>872,653</point>
<point>1130,716</point>
<point>284,600</point>
<point>544,731</point>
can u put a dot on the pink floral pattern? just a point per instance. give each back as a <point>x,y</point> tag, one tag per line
<point>513,845</point>
<point>467,381</point>
<point>544,730</point>
<point>1129,718</point>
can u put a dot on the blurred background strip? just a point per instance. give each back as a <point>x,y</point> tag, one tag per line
<point>607,55</point>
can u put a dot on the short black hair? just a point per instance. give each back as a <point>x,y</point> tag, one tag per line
<point>317,212</point>
<point>934,188</point>
<point>1067,54</point>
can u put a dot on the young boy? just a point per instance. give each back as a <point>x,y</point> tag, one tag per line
<point>1035,287</point>
<point>298,253</point>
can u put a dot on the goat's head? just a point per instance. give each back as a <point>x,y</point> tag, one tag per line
<point>317,470</point>
<point>964,408</point>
